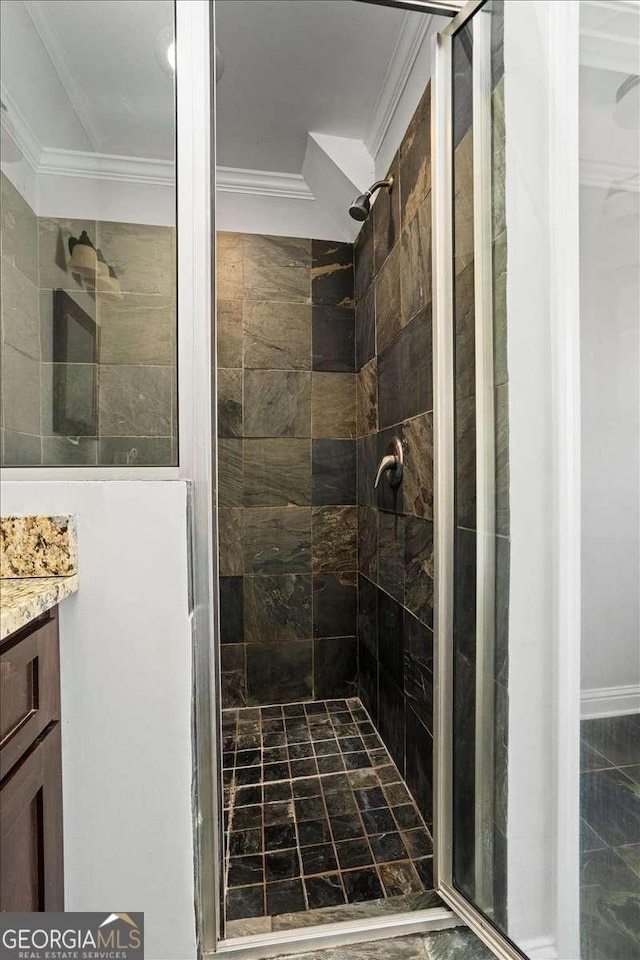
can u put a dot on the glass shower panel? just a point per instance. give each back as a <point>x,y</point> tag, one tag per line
<point>465,449</point>
<point>545,164</point>
<point>89,355</point>
<point>481,544</point>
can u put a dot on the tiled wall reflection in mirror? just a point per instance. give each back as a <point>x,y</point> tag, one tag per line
<point>88,309</point>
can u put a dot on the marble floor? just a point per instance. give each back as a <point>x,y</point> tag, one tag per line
<point>319,825</point>
<point>457,944</point>
<point>610,838</point>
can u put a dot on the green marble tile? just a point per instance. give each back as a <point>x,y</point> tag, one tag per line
<point>18,231</point>
<point>20,450</point>
<point>69,399</point>
<point>19,305</point>
<point>333,405</point>
<point>135,401</point>
<point>137,329</point>
<point>367,399</point>
<point>230,525</point>
<point>142,256</point>
<point>277,336</point>
<point>335,538</point>
<point>20,377</point>
<point>229,267</point>
<point>69,451</point>
<point>277,472</point>
<point>277,608</point>
<point>136,451</point>
<point>277,403</point>
<point>457,944</point>
<point>229,333</point>
<point>277,268</point>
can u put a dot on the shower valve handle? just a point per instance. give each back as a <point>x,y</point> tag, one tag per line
<point>393,461</point>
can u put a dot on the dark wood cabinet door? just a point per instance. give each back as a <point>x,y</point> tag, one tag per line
<point>31,866</point>
<point>29,687</point>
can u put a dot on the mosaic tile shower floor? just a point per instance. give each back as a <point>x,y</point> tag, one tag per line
<point>318,821</point>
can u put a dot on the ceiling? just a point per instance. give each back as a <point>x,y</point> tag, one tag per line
<point>293,67</point>
<point>88,97</point>
<point>609,54</point>
<point>87,76</point>
<point>602,139</point>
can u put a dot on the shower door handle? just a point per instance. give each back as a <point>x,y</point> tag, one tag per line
<point>393,461</point>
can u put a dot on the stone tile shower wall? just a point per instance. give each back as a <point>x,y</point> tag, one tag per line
<point>132,387</point>
<point>20,329</point>
<point>286,468</point>
<point>395,399</point>
<point>136,375</point>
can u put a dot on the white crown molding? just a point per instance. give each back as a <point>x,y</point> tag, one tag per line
<point>42,23</point>
<point>262,183</point>
<point>15,125</point>
<point>407,47</point>
<point>609,176</point>
<point>78,163</point>
<point>110,167</point>
<point>106,166</point>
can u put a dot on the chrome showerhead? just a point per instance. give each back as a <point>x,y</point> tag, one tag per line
<point>361,206</point>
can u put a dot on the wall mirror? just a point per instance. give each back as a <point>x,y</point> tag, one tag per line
<point>88,234</point>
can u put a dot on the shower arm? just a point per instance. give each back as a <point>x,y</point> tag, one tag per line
<point>378,185</point>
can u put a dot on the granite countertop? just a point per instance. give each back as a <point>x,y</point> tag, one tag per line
<point>38,546</point>
<point>25,598</point>
<point>38,567</point>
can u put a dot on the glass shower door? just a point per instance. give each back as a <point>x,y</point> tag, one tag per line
<point>536,292</point>
<point>481,494</point>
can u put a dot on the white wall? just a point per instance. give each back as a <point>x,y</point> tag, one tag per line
<point>118,201</point>
<point>541,105</point>
<point>610,339</point>
<point>275,216</point>
<point>125,641</point>
<point>87,197</point>
<point>530,907</point>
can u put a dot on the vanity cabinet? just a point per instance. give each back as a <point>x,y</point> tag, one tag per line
<point>31,866</point>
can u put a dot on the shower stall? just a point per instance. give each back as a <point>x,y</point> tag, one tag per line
<point>404,429</point>
<point>399,508</point>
